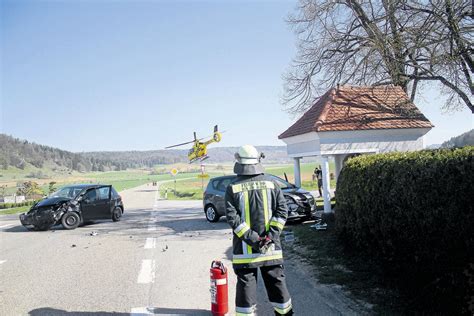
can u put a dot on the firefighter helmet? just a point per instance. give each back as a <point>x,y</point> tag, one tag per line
<point>248,155</point>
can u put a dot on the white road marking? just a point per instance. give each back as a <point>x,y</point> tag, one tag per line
<point>138,311</point>
<point>3,261</point>
<point>7,225</point>
<point>151,228</point>
<point>150,243</point>
<point>147,272</point>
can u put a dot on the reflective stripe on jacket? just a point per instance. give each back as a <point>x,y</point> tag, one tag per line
<point>255,207</point>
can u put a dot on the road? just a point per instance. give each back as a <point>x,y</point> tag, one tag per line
<point>155,261</point>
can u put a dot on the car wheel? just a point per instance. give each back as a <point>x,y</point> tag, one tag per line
<point>117,214</point>
<point>70,220</point>
<point>211,214</point>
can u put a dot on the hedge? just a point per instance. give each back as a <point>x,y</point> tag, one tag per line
<point>10,205</point>
<point>413,212</point>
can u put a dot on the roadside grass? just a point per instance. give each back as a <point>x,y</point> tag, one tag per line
<point>189,189</point>
<point>127,179</point>
<point>306,168</point>
<point>332,263</point>
<point>15,210</point>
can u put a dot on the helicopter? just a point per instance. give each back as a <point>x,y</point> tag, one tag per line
<point>199,149</point>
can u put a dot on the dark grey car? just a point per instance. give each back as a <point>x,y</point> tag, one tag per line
<point>74,204</point>
<point>301,204</point>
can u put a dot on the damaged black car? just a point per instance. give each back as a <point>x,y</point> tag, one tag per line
<point>72,205</point>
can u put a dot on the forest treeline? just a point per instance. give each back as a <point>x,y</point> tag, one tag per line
<point>19,153</point>
<point>466,139</point>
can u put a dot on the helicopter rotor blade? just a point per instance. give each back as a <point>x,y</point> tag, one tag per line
<point>177,145</point>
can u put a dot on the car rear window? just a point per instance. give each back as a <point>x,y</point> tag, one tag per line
<point>222,185</point>
<point>104,193</point>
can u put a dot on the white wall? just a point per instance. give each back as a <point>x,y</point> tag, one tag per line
<point>344,142</point>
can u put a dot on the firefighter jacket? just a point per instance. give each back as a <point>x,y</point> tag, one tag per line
<point>255,207</point>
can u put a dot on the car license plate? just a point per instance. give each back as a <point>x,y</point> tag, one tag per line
<point>22,217</point>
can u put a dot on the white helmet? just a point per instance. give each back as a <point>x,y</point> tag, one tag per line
<point>248,155</point>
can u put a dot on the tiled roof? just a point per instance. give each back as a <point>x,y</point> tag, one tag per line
<point>350,108</point>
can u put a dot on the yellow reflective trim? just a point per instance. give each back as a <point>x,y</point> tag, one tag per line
<point>242,231</point>
<point>284,310</point>
<point>236,188</point>
<point>247,215</point>
<point>252,185</point>
<point>277,224</point>
<point>265,209</point>
<point>258,259</point>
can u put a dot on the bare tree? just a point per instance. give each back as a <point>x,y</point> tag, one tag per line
<point>368,42</point>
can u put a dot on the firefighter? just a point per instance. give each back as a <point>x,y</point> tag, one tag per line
<point>256,210</point>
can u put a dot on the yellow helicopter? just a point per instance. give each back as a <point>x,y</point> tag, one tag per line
<point>199,149</point>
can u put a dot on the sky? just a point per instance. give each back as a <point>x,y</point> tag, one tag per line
<point>142,75</point>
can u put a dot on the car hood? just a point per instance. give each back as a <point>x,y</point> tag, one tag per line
<point>50,201</point>
<point>302,193</point>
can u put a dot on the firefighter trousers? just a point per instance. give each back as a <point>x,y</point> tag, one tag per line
<point>275,284</point>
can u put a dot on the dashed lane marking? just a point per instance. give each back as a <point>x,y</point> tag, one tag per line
<point>5,226</point>
<point>150,243</point>
<point>138,311</point>
<point>147,272</point>
<point>2,261</point>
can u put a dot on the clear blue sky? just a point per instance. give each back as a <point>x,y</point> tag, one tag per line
<point>122,75</point>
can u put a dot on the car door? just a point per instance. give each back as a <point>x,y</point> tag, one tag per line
<point>88,204</point>
<point>103,202</point>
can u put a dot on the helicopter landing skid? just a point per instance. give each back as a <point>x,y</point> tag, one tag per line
<point>201,159</point>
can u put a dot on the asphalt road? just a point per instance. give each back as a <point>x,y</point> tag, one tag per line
<point>155,261</point>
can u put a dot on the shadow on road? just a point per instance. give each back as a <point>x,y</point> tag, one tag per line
<point>185,222</point>
<point>47,311</point>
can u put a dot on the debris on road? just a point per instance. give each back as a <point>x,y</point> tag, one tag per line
<point>319,225</point>
<point>73,246</point>
<point>94,233</point>
<point>289,237</point>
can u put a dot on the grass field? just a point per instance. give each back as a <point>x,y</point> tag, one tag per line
<point>15,210</point>
<point>122,180</point>
<point>191,189</point>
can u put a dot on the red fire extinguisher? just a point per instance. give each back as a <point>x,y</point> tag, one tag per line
<point>219,294</point>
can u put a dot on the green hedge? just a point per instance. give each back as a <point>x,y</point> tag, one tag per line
<point>10,205</point>
<point>414,213</point>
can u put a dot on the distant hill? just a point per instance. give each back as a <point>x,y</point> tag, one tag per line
<point>21,153</point>
<point>150,158</point>
<point>466,139</point>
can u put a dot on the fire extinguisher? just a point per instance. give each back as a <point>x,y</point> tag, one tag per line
<point>219,294</point>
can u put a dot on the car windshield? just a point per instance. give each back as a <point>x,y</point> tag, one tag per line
<point>67,192</point>
<point>282,183</point>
